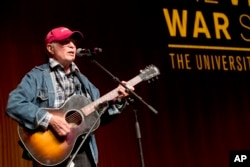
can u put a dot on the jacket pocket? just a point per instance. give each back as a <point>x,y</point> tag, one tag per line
<point>43,98</point>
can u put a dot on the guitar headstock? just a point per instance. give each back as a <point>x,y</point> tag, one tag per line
<point>149,72</point>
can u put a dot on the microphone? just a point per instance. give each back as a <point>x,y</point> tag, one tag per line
<point>87,52</point>
<point>82,52</point>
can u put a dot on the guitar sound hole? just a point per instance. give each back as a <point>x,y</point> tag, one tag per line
<point>74,118</point>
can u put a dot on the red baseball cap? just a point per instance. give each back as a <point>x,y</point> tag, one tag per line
<point>61,33</point>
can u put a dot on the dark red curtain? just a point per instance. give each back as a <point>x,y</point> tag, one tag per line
<point>203,115</point>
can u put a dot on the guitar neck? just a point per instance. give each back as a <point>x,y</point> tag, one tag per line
<point>91,107</point>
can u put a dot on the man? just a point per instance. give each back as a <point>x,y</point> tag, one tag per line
<point>49,86</point>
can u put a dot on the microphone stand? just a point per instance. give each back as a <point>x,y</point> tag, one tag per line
<point>138,135</point>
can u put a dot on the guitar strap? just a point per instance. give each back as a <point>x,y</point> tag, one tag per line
<point>82,150</point>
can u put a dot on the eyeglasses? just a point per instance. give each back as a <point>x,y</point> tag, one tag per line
<point>67,41</point>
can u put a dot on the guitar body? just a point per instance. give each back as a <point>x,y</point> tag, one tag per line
<point>47,148</point>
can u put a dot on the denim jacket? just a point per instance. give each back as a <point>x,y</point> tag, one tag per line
<point>35,92</point>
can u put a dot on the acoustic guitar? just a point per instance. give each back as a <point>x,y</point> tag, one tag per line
<point>49,149</point>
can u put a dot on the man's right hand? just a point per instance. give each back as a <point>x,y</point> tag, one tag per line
<point>59,124</point>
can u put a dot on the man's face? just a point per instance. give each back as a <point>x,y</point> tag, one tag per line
<point>63,51</point>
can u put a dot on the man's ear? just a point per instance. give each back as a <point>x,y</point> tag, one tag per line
<point>50,49</point>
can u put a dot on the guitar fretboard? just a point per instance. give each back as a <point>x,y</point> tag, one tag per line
<point>91,107</point>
